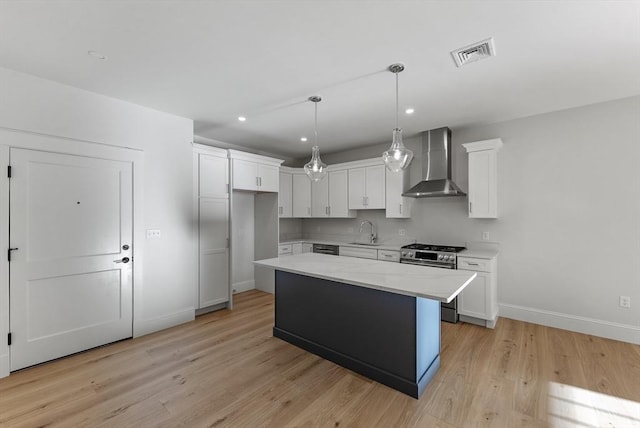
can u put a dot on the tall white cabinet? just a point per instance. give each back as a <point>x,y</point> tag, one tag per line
<point>211,189</point>
<point>483,178</point>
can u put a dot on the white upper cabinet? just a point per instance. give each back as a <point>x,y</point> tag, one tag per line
<point>254,172</point>
<point>301,195</point>
<point>398,206</point>
<point>268,177</point>
<point>320,198</point>
<point>483,178</point>
<point>367,187</point>
<point>285,195</point>
<point>339,194</point>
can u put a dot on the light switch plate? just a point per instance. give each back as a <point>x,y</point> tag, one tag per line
<point>153,233</point>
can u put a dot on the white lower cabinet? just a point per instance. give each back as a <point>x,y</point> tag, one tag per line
<point>296,248</point>
<point>363,253</point>
<point>389,255</point>
<point>478,302</point>
<point>307,248</point>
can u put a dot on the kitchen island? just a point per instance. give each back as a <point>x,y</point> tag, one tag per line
<point>377,318</point>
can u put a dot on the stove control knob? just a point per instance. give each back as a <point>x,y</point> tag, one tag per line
<point>447,257</point>
<point>440,257</point>
<point>410,253</point>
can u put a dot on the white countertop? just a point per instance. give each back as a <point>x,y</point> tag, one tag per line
<point>475,252</point>
<point>410,280</point>
<point>479,253</point>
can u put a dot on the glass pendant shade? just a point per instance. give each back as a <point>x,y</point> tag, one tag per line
<point>398,157</point>
<point>315,168</point>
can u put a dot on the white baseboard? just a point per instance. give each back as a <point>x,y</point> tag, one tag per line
<point>4,365</point>
<point>595,327</point>
<point>239,287</point>
<point>140,328</point>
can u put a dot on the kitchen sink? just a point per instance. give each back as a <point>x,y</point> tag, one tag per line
<point>363,243</point>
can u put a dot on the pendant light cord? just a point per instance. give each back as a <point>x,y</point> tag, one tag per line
<point>397,108</point>
<point>316,124</point>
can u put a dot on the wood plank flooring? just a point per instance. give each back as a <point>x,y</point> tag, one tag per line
<point>226,370</point>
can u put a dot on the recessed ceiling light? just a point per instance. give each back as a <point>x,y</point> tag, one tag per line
<point>409,111</point>
<point>303,139</point>
<point>97,55</point>
<point>242,118</point>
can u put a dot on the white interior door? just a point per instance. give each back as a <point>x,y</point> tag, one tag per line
<point>71,274</point>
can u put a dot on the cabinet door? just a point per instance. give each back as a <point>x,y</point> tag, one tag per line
<point>285,193</point>
<point>307,248</point>
<point>214,251</point>
<point>473,299</point>
<point>268,178</point>
<point>245,175</point>
<point>301,196</point>
<point>357,188</point>
<point>483,184</point>
<point>213,176</point>
<point>339,194</point>
<point>320,198</point>
<point>296,249</point>
<point>396,205</point>
<point>375,187</point>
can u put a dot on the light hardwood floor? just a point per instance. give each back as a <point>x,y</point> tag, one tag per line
<point>226,369</point>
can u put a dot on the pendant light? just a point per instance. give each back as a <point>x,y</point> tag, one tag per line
<point>315,168</point>
<point>398,157</point>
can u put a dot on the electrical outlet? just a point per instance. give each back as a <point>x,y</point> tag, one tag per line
<point>153,233</point>
<point>317,228</point>
<point>625,301</point>
<point>485,236</point>
<point>402,232</point>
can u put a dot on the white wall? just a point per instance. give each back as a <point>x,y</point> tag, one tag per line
<point>28,103</point>
<point>243,241</point>
<point>569,226</point>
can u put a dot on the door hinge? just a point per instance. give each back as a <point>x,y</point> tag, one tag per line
<point>9,253</point>
<point>9,171</point>
<point>9,339</point>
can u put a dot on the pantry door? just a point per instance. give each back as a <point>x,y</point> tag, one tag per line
<point>70,272</point>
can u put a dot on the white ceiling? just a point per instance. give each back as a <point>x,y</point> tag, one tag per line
<point>215,60</point>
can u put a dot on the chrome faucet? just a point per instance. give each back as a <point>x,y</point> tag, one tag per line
<point>372,238</point>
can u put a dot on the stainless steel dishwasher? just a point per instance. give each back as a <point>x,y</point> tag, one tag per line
<point>333,250</point>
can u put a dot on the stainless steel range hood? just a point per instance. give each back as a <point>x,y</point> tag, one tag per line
<point>436,167</point>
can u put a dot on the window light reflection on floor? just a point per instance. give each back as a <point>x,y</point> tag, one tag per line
<point>570,406</point>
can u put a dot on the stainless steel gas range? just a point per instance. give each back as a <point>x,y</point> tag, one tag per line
<point>441,256</point>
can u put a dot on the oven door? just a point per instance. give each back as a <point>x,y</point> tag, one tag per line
<point>429,264</point>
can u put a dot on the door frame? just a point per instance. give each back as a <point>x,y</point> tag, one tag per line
<point>33,141</point>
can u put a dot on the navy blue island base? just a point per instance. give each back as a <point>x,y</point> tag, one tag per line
<point>391,338</point>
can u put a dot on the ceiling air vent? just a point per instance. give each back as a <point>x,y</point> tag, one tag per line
<point>474,52</point>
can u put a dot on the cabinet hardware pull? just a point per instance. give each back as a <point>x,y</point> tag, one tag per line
<point>473,264</point>
<point>400,208</point>
<point>470,207</point>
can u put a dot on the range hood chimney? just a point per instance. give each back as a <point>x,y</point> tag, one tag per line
<point>436,167</point>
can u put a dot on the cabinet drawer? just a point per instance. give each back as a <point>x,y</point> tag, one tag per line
<point>363,253</point>
<point>389,255</point>
<point>467,263</point>
<point>285,249</point>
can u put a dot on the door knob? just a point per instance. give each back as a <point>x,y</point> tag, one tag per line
<point>123,260</point>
